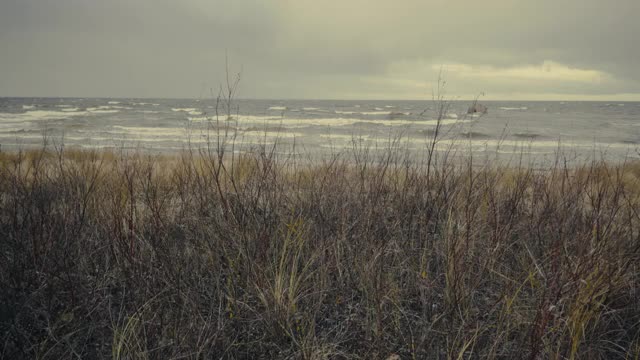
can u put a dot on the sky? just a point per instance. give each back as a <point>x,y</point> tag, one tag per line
<point>329,49</point>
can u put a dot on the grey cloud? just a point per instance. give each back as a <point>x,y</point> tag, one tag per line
<point>304,48</point>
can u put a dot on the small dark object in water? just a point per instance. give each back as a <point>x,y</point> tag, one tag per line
<point>477,108</point>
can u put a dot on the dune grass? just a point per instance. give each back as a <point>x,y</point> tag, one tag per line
<point>211,254</point>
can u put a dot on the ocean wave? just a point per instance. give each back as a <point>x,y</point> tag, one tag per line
<point>113,102</point>
<point>40,115</point>
<point>345,136</point>
<point>278,108</point>
<point>27,107</point>
<point>188,110</point>
<point>474,135</point>
<point>526,135</point>
<point>69,109</point>
<point>376,113</point>
<point>102,110</point>
<point>363,112</point>
<point>294,122</point>
<point>270,134</point>
<point>521,108</point>
<point>150,131</point>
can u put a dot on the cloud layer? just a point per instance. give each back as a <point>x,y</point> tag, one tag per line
<point>545,49</point>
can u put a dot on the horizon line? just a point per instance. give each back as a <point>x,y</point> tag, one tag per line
<point>314,99</point>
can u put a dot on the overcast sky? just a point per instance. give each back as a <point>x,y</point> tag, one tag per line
<point>336,49</point>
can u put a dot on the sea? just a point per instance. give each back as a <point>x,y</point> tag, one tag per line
<point>512,132</point>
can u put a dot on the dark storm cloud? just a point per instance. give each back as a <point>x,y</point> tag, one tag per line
<point>302,48</point>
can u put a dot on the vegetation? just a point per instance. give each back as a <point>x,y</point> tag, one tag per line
<point>209,254</point>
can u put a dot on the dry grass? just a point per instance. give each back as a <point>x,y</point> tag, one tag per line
<point>209,254</point>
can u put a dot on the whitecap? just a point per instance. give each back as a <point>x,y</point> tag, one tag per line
<point>27,107</point>
<point>513,108</point>
<point>279,108</point>
<point>40,115</point>
<point>184,109</point>
<point>270,134</point>
<point>102,110</point>
<point>250,120</point>
<point>376,112</point>
<point>347,137</point>
<point>113,102</point>
<point>201,118</point>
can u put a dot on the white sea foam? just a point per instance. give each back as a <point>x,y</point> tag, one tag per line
<point>376,112</point>
<point>69,109</point>
<point>241,118</point>
<point>113,102</point>
<point>150,131</point>
<point>310,109</point>
<point>389,106</point>
<point>513,108</point>
<point>27,107</point>
<point>526,144</point>
<point>39,115</point>
<point>102,110</point>
<point>188,110</point>
<point>105,107</point>
<point>363,112</point>
<point>347,137</point>
<point>378,109</point>
<point>338,121</point>
<point>270,134</point>
<point>63,106</point>
<point>10,130</point>
<point>279,108</point>
<point>452,116</point>
<point>201,118</point>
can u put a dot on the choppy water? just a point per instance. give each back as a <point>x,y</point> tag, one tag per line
<point>583,129</point>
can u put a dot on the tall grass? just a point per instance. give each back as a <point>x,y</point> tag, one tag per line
<point>132,255</point>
